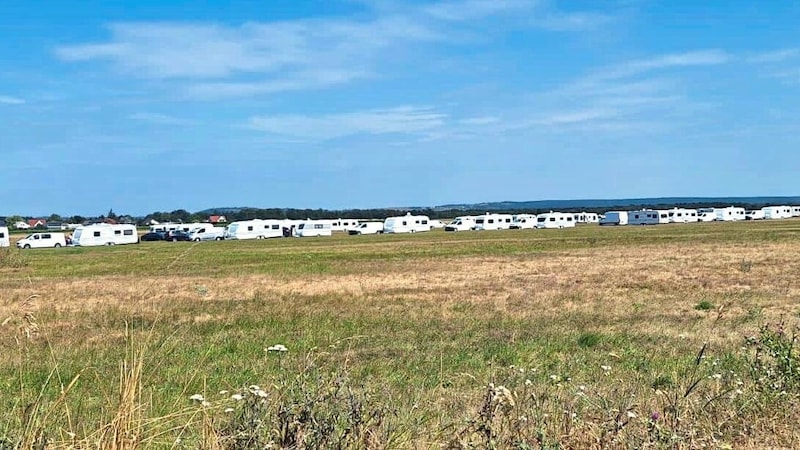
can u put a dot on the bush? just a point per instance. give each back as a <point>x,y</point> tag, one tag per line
<point>704,305</point>
<point>12,258</point>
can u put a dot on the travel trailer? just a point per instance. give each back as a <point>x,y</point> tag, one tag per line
<point>731,213</point>
<point>42,240</point>
<point>344,224</point>
<point>254,229</point>
<point>644,217</point>
<point>168,226</point>
<point>682,215</point>
<point>313,228</point>
<point>586,217</point>
<point>207,232</point>
<point>706,216</point>
<point>461,223</point>
<point>555,220</point>
<point>406,224</point>
<point>493,222</point>
<point>795,211</point>
<point>104,234</point>
<point>524,222</point>
<point>615,218</point>
<point>367,228</point>
<point>777,212</point>
<point>4,239</point>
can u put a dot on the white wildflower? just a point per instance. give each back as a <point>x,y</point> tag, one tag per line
<point>205,404</point>
<point>223,392</point>
<point>631,415</point>
<point>197,398</point>
<point>606,369</point>
<point>229,410</point>
<point>277,348</point>
<point>237,397</point>
<point>528,382</point>
<point>261,393</point>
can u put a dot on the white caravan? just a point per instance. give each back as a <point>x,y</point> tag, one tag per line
<point>311,228</point>
<point>42,240</point>
<point>795,211</point>
<point>615,218</point>
<point>524,222</point>
<point>777,212</point>
<point>254,229</point>
<point>756,214</point>
<point>367,228</point>
<point>682,215</point>
<point>644,217</point>
<point>587,217</point>
<point>555,220</point>
<point>104,234</point>
<point>207,232</point>
<point>461,223</point>
<point>406,224</point>
<point>731,213</point>
<point>344,224</point>
<point>493,222</point>
<point>4,240</point>
<point>169,226</point>
<point>706,216</point>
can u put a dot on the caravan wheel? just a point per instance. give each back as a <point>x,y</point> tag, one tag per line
<point>57,245</point>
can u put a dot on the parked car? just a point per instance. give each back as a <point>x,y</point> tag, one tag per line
<point>178,235</point>
<point>757,214</point>
<point>154,236</point>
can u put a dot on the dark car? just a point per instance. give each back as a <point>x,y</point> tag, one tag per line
<point>154,236</point>
<point>177,235</point>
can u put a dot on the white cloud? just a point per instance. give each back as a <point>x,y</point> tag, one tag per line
<point>157,118</point>
<point>774,56</point>
<point>661,62</point>
<point>574,117</point>
<point>8,100</point>
<point>458,11</point>
<point>291,82</point>
<point>484,120</point>
<point>400,120</point>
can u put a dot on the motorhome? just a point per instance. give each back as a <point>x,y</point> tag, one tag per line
<point>406,224</point>
<point>4,239</point>
<point>615,218</point>
<point>682,215</point>
<point>367,228</point>
<point>104,234</point>
<point>524,222</point>
<point>42,240</point>
<point>731,213</point>
<point>313,228</point>
<point>344,224</point>
<point>490,221</point>
<point>555,220</point>
<point>644,217</point>
<point>777,212</point>
<point>461,223</point>
<point>586,217</point>
<point>207,232</point>
<point>254,229</point>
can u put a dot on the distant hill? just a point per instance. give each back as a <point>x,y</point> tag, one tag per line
<point>605,204</point>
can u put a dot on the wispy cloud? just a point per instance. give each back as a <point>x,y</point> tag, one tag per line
<point>470,9</point>
<point>668,61</point>
<point>158,118</point>
<point>8,100</point>
<point>774,56</point>
<point>400,120</point>
<point>483,120</point>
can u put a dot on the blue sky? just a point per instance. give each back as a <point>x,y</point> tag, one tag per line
<point>338,104</point>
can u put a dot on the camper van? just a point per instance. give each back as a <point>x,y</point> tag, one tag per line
<point>461,223</point>
<point>493,222</point>
<point>615,218</point>
<point>254,229</point>
<point>555,220</point>
<point>406,224</point>
<point>207,232</point>
<point>524,222</point>
<point>104,234</point>
<point>344,224</point>
<point>367,228</point>
<point>731,213</point>
<point>313,228</point>
<point>644,217</point>
<point>42,240</point>
<point>4,239</point>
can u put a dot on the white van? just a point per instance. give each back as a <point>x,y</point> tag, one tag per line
<point>312,228</point>
<point>367,228</point>
<point>42,240</point>
<point>4,240</point>
<point>615,218</point>
<point>406,224</point>
<point>104,234</point>
<point>461,223</point>
<point>207,233</point>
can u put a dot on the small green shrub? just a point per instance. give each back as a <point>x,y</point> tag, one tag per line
<point>12,258</point>
<point>589,340</point>
<point>745,265</point>
<point>775,364</point>
<point>704,305</point>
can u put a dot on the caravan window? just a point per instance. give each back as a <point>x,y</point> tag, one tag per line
<point>128,232</point>
<point>405,223</point>
<point>250,228</point>
<point>117,232</point>
<point>424,222</point>
<point>540,219</point>
<point>491,220</point>
<point>552,219</point>
<point>318,226</point>
<point>275,226</point>
<point>479,221</point>
<point>96,234</point>
<point>569,219</point>
<point>2,235</point>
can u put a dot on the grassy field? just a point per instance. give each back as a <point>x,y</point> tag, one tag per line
<point>674,336</point>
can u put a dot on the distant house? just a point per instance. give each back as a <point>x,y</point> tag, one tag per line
<point>56,226</point>
<point>217,219</point>
<point>33,223</point>
<point>22,225</point>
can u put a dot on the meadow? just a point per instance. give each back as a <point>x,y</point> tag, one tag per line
<point>671,336</point>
